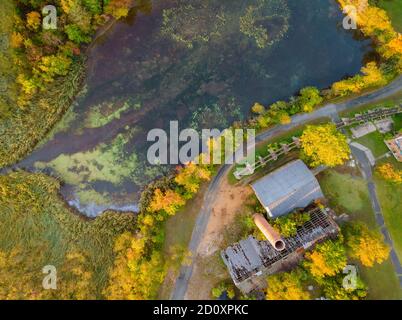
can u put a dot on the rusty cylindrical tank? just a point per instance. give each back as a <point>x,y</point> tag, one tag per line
<point>269,232</point>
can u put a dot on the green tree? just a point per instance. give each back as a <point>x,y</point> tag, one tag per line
<point>309,98</point>
<point>287,225</point>
<point>327,259</point>
<point>334,289</point>
<point>76,35</point>
<point>287,286</point>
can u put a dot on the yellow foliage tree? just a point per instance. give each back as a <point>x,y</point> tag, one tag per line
<point>258,108</point>
<point>191,176</point>
<point>16,40</point>
<point>389,173</point>
<point>286,286</point>
<point>284,118</point>
<point>327,259</point>
<point>33,20</point>
<point>324,145</point>
<point>366,245</point>
<point>118,8</point>
<point>168,201</point>
<point>394,47</point>
<point>134,276</point>
<point>371,76</point>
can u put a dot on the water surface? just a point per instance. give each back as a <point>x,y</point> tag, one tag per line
<point>204,64</point>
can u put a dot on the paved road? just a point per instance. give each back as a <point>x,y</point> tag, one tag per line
<point>366,169</point>
<point>330,110</point>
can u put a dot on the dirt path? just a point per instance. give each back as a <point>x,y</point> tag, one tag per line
<point>229,201</point>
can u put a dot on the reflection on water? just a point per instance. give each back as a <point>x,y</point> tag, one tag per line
<point>204,64</point>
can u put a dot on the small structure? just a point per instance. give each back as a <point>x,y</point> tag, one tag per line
<point>362,149</point>
<point>395,145</point>
<point>250,261</point>
<point>363,129</point>
<point>384,125</point>
<point>288,188</point>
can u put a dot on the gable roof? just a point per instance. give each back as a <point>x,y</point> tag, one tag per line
<point>287,188</point>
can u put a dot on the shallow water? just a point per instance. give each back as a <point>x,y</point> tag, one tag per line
<point>199,67</point>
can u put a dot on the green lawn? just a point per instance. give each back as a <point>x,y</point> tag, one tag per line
<point>347,193</point>
<point>397,122</point>
<point>390,196</point>
<point>375,142</point>
<point>382,281</point>
<point>394,10</point>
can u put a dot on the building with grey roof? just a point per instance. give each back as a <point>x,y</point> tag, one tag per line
<point>250,261</point>
<point>288,188</point>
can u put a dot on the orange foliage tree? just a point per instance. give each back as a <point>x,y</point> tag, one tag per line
<point>168,201</point>
<point>389,173</point>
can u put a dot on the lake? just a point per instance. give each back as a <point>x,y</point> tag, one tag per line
<point>204,64</point>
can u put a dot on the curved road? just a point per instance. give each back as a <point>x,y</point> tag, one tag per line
<point>328,111</point>
<point>366,168</point>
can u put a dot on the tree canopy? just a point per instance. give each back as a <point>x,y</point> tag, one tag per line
<point>324,145</point>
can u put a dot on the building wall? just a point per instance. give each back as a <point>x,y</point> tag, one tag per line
<point>259,282</point>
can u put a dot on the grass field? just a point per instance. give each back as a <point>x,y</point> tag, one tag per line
<point>397,122</point>
<point>7,67</point>
<point>349,193</point>
<point>394,10</point>
<point>38,229</point>
<point>375,142</point>
<point>390,196</point>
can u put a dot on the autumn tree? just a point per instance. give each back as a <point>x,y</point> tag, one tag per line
<point>309,98</point>
<point>191,176</point>
<point>137,274</point>
<point>287,286</point>
<point>327,259</point>
<point>366,245</point>
<point>34,20</point>
<point>16,40</point>
<point>168,201</point>
<point>287,225</point>
<point>371,75</point>
<point>258,108</point>
<point>324,145</point>
<point>389,173</point>
<point>334,289</point>
<point>118,8</point>
<point>283,117</point>
<point>51,66</point>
